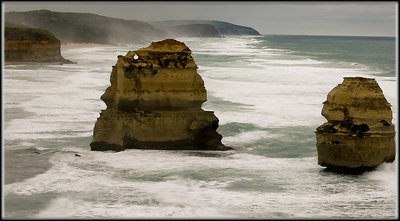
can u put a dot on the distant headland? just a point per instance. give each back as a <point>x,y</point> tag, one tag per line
<point>91,28</point>
<point>31,45</point>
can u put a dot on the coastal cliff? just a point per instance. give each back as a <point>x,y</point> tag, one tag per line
<point>91,28</point>
<point>154,102</point>
<point>223,28</point>
<point>359,134</point>
<point>86,27</point>
<point>23,44</point>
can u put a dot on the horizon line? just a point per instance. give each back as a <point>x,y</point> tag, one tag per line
<point>345,35</point>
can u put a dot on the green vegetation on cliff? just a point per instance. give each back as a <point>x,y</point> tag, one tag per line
<point>33,34</point>
<point>223,28</point>
<point>86,27</point>
<point>92,28</point>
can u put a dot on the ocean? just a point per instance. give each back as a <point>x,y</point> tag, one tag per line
<point>267,92</point>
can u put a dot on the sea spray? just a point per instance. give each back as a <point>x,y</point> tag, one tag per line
<point>275,176</point>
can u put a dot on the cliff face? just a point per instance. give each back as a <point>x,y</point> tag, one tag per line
<point>92,28</point>
<point>359,133</point>
<point>31,45</point>
<point>86,27</point>
<point>154,102</point>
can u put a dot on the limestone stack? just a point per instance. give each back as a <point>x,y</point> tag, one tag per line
<point>154,102</point>
<point>23,44</point>
<point>359,133</point>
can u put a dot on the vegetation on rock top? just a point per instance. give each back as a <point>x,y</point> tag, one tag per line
<point>33,34</point>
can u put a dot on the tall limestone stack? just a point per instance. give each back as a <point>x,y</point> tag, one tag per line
<point>359,134</point>
<point>154,102</point>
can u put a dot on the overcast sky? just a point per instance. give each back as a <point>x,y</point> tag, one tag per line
<point>309,18</point>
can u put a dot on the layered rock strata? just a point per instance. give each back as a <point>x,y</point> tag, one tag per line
<point>154,102</point>
<point>31,45</point>
<point>359,134</point>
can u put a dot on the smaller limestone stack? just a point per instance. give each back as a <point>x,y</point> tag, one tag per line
<point>359,134</point>
<point>23,44</point>
<point>154,102</point>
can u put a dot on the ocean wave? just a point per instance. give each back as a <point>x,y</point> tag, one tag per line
<point>268,102</point>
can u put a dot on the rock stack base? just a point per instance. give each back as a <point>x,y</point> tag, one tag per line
<point>359,134</point>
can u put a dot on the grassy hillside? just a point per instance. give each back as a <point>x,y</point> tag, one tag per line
<point>223,28</point>
<point>33,34</point>
<point>92,28</point>
<point>86,27</point>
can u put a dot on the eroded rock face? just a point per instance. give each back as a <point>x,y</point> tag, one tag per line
<point>154,102</point>
<point>31,45</point>
<point>359,134</point>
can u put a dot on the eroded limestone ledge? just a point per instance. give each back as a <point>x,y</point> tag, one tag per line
<point>154,102</point>
<point>31,45</point>
<point>359,134</point>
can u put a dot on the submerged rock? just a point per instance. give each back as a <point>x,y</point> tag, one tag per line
<point>359,134</point>
<point>154,102</point>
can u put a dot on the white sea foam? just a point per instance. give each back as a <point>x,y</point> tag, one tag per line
<point>66,207</point>
<point>92,191</point>
<point>278,90</point>
<point>247,137</point>
<point>62,106</point>
<point>384,174</point>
